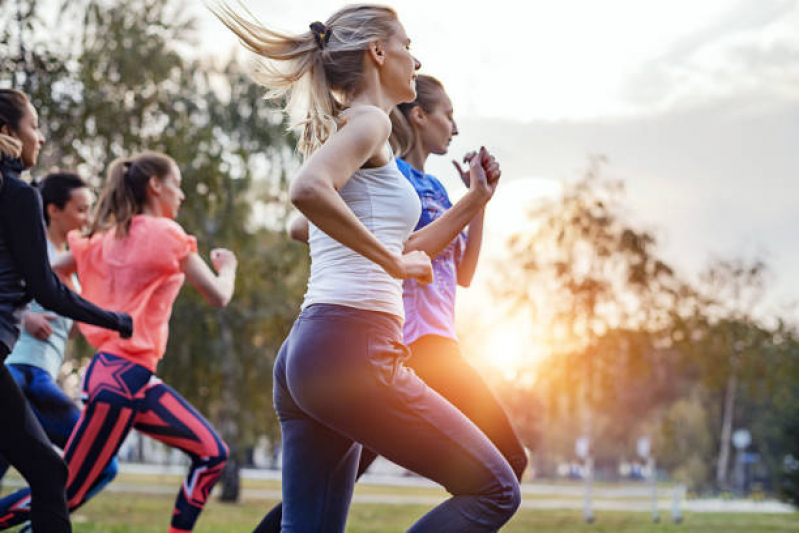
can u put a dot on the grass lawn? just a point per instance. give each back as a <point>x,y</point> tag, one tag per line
<point>136,513</point>
<point>142,512</point>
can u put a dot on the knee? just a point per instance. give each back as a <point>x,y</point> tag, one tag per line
<point>519,464</point>
<point>504,500</point>
<point>220,456</point>
<point>111,470</point>
<point>51,469</point>
<point>224,453</point>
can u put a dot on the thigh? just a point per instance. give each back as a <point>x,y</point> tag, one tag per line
<point>167,417</point>
<point>349,376</point>
<point>57,413</point>
<point>440,364</point>
<point>112,392</point>
<point>319,464</point>
<point>22,438</point>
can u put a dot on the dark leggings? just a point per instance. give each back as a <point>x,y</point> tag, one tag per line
<point>24,444</point>
<point>439,363</point>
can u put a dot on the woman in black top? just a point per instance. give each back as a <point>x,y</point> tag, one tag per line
<point>25,273</point>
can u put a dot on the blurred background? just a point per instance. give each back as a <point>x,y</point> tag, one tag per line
<point>636,304</point>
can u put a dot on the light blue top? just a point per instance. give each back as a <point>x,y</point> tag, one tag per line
<point>430,309</point>
<point>47,355</point>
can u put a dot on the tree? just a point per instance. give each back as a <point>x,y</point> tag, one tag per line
<point>588,273</point>
<point>122,87</point>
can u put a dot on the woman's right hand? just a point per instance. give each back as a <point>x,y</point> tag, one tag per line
<point>414,265</point>
<point>38,325</point>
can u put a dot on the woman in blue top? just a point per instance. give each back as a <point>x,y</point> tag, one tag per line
<point>38,355</point>
<point>420,128</point>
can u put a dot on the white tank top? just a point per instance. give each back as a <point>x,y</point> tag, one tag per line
<point>387,204</point>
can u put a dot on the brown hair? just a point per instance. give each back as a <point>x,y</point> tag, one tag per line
<point>12,109</point>
<point>403,135</point>
<point>317,71</point>
<point>125,190</point>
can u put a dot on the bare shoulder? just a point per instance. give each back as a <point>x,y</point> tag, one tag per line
<point>368,119</point>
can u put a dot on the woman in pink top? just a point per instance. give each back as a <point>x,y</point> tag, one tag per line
<point>135,259</point>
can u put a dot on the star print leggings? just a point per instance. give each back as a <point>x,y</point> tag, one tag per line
<point>119,396</point>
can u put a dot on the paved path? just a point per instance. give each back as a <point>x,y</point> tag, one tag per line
<point>541,495</point>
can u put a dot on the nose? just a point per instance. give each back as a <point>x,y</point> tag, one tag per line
<point>416,64</point>
<point>454,128</point>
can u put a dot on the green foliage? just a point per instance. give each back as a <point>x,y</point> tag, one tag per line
<point>121,87</point>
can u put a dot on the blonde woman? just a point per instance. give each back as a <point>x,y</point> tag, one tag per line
<point>340,378</point>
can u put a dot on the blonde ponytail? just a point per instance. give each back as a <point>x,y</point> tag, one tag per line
<point>316,76</point>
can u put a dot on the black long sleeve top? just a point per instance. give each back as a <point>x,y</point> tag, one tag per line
<point>25,271</point>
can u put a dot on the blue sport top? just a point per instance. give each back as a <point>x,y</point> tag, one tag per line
<point>430,309</point>
<point>47,355</point>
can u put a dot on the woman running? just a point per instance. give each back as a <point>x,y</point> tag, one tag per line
<point>25,274</point>
<point>340,378</point>
<point>137,257</point>
<point>37,358</point>
<point>420,128</point>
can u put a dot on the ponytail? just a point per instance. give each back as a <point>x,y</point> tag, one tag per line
<point>125,192</point>
<point>316,72</point>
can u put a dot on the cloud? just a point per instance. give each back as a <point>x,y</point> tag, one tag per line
<point>751,52</point>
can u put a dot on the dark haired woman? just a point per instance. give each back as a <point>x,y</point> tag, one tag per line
<point>25,274</point>
<point>37,358</point>
<point>137,257</point>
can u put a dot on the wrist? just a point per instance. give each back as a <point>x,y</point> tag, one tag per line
<point>393,266</point>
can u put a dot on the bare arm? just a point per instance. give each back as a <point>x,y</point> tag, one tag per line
<point>216,289</point>
<point>64,265</point>
<point>298,230</point>
<point>482,179</point>
<point>474,240</point>
<point>314,192</point>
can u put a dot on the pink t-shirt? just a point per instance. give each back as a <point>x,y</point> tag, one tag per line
<point>139,275</point>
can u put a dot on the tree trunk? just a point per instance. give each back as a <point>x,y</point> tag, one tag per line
<point>726,430</point>
<point>231,484</point>
<point>231,478</point>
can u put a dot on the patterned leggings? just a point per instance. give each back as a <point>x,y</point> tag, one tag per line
<point>120,395</point>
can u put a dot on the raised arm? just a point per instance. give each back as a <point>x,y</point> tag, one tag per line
<point>27,245</point>
<point>314,193</point>
<point>474,241</point>
<point>215,288</point>
<point>436,236</point>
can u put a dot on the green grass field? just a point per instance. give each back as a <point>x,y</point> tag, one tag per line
<point>129,513</point>
<point>137,512</point>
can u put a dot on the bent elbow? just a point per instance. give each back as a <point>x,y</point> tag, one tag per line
<point>218,301</point>
<point>302,194</point>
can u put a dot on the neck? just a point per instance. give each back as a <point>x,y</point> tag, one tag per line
<point>152,209</point>
<point>417,157</point>
<point>57,237</point>
<point>373,94</point>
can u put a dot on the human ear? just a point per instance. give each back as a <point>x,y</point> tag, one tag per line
<point>377,52</point>
<point>417,116</point>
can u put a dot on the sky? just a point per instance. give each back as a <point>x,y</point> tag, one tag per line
<point>693,103</point>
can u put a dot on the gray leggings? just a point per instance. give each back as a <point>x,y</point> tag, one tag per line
<point>340,382</point>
